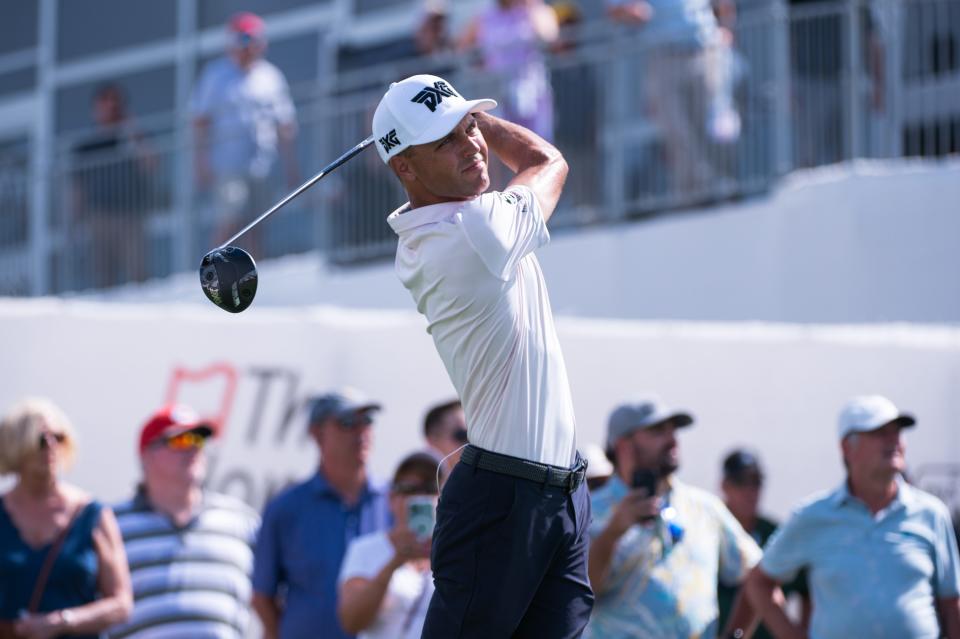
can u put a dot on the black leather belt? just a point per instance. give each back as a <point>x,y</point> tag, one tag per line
<point>567,478</point>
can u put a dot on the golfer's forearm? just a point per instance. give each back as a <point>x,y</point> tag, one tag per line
<point>537,163</point>
<point>518,147</point>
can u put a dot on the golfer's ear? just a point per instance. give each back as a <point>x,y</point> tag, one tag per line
<point>401,167</point>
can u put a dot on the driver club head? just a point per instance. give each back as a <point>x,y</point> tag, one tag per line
<point>228,277</point>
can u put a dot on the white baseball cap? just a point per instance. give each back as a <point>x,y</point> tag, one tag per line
<point>870,412</point>
<point>417,110</point>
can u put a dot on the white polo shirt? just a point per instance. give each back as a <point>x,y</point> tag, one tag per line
<point>471,270</point>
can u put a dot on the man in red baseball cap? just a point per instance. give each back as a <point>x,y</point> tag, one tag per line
<point>244,121</point>
<point>181,537</point>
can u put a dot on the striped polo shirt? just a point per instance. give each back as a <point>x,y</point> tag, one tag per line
<point>190,581</point>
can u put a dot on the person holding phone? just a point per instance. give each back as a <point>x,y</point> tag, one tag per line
<point>386,583</point>
<point>659,546</point>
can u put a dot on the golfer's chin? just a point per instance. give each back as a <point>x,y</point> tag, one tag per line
<point>480,182</point>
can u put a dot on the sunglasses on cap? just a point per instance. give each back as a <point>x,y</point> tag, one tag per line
<point>414,488</point>
<point>244,40</point>
<point>43,440</point>
<point>190,440</point>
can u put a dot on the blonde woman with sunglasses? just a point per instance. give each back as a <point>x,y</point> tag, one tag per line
<point>61,556</point>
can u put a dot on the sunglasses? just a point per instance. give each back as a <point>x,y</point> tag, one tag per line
<point>44,439</point>
<point>353,420</point>
<point>190,440</point>
<point>244,40</point>
<point>460,436</point>
<point>409,488</point>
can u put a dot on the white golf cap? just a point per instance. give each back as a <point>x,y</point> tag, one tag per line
<point>870,412</point>
<point>420,109</point>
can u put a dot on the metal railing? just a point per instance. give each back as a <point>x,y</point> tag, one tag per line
<point>646,128</point>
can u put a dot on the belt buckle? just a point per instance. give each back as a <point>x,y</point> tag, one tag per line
<point>573,480</point>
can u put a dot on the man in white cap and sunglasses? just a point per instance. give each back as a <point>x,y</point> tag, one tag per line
<point>880,554</point>
<point>510,549</point>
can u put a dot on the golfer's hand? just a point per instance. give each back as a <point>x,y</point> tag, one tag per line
<point>633,508</point>
<point>407,547</point>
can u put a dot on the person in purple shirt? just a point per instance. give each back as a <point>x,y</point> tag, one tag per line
<point>306,529</point>
<point>511,38</point>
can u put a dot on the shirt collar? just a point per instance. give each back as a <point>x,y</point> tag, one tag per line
<point>905,495</point>
<point>406,218</point>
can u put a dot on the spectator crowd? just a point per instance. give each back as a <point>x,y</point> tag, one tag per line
<point>344,553</point>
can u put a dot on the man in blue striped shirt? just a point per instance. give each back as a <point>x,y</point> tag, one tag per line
<point>880,555</point>
<point>190,550</point>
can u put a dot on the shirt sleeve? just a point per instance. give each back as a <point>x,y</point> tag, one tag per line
<point>739,553</point>
<point>948,576</point>
<point>784,555</point>
<point>503,228</point>
<point>201,100</point>
<point>267,559</point>
<point>283,109</point>
<point>366,556</point>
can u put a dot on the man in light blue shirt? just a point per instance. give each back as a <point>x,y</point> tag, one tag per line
<point>880,554</point>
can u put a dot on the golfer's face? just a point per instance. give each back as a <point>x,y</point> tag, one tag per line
<point>454,167</point>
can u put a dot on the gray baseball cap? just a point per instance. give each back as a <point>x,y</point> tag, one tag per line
<point>342,404</point>
<point>644,413</point>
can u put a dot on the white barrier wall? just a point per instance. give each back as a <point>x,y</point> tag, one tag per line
<point>776,388</point>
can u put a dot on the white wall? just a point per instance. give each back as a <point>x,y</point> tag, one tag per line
<point>872,242</point>
<point>774,387</point>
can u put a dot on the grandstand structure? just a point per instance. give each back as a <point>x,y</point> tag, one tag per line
<point>815,83</point>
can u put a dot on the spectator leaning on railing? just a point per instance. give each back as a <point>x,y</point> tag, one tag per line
<point>880,555</point>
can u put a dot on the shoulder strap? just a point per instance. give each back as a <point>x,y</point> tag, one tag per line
<point>49,560</point>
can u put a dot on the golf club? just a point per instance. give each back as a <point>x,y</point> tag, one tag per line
<point>228,274</point>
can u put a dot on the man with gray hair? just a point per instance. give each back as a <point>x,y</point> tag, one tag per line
<point>880,554</point>
<point>658,546</point>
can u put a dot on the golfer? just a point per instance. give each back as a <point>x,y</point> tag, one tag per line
<point>509,552</point>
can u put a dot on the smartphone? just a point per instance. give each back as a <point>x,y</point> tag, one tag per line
<point>421,516</point>
<point>645,479</point>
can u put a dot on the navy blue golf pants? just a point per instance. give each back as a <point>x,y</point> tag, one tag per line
<point>509,559</point>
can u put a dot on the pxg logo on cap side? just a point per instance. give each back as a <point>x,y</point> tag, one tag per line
<point>430,97</point>
<point>390,140</point>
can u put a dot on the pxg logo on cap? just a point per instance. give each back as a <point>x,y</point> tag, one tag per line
<point>420,109</point>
